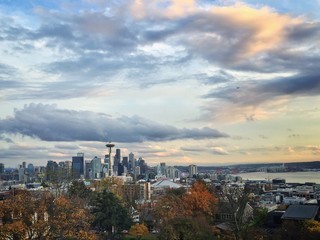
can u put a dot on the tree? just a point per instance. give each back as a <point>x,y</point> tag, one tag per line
<point>58,178</point>
<point>200,200</point>
<point>186,228</point>
<point>178,202</point>
<point>186,215</point>
<point>304,230</point>
<point>80,193</point>
<point>34,215</point>
<point>171,205</point>
<point>109,214</point>
<point>69,220</point>
<point>138,230</point>
<point>312,229</point>
<point>236,199</point>
<point>22,216</point>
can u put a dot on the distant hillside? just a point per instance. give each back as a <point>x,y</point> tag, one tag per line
<point>292,165</point>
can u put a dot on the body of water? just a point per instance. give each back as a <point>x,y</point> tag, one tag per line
<point>290,177</point>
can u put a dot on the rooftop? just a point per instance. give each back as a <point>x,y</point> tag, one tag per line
<point>301,212</point>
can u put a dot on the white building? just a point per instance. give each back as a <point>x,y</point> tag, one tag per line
<point>294,200</point>
<point>193,170</point>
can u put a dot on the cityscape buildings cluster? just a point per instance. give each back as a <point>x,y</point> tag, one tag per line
<point>142,186</point>
<point>96,168</point>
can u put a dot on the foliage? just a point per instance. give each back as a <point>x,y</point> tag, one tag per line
<point>138,230</point>
<point>170,206</point>
<point>259,217</point>
<point>69,220</point>
<point>312,229</point>
<point>178,202</point>
<point>200,200</point>
<point>80,193</point>
<point>186,228</point>
<point>236,199</point>
<point>111,184</point>
<point>40,216</point>
<point>303,230</point>
<point>58,179</point>
<point>21,216</point>
<point>178,209</point>
<point>109,214</point>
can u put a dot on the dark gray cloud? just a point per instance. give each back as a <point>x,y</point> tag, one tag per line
<point>6,139</point>
<point>49,123</point>
<point>257,92</point>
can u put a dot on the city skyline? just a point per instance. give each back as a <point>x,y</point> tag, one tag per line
<point>182,82</point>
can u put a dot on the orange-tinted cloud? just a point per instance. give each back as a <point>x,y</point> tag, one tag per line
<point>267,28</point>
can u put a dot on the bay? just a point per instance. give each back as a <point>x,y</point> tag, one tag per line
<point>290,177</point>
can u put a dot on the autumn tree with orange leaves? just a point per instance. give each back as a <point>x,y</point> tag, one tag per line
<point>138,230</point>
<point>37,215</point>
<point>199,200</point>
<point>179,202</point>
<point>187,214</point>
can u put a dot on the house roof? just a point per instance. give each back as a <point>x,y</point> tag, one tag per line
<point>165,183</point>
<point>301,212</point>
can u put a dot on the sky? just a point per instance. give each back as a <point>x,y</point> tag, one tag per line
<point>208,82</point>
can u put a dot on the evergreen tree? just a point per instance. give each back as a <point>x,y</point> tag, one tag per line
<point>109,214</point>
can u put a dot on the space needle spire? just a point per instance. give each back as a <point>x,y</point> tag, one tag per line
<point>110,146</point>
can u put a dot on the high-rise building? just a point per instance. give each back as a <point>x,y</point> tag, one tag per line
<point>142,164</point>
<point>105,166</point>
<point>125,162</point>
<point>136,171</point>
<point>30,169</point>
<point>193,170</point>
<point>120,169</point>
<point>96,167</point>
<point>132,162</point>
<point>117,160</point>
<point>88,167</point>
<point>52,171</point>
<point>170,172</point>
<point>162,169</point>
<point>1,168</point>
<point>78,165</point>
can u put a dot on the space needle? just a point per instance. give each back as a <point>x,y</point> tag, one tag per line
<point>110,146</point>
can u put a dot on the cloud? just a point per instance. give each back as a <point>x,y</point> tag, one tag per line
<point>9,78</point>
<point>49,123</point>
<point>218,151</point>
<point>262,136</point>
<point>23,152</point>
<point>294,135</point>
<point>255,100</point>
<point>256,92</point>
<point>66,146</point>
<point>192,149</point>
<point>89,49</point>
<point>6,139</point>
